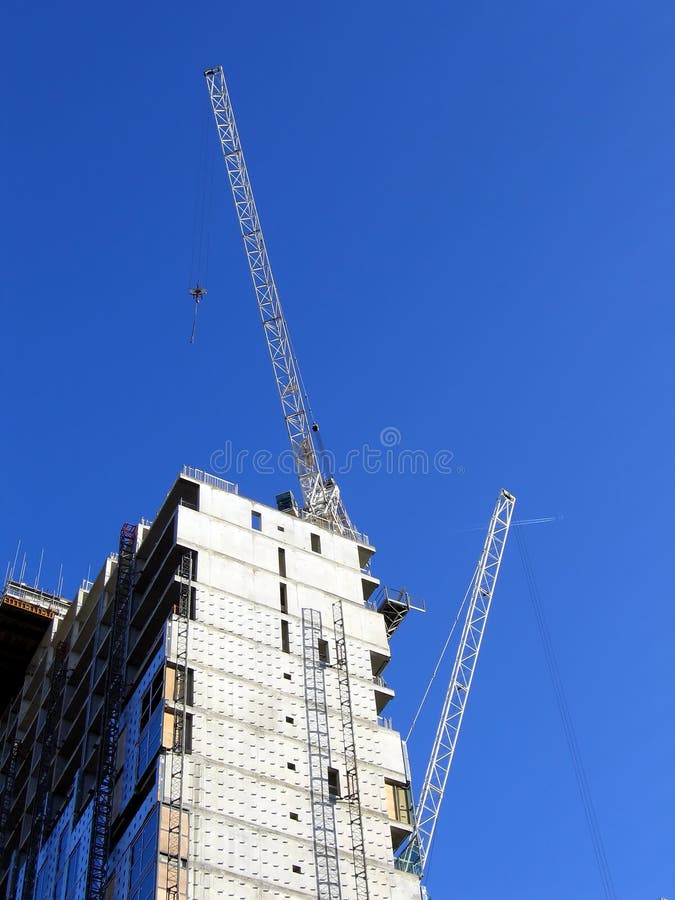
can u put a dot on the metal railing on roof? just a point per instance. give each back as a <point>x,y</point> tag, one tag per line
<point>35,596</point>
<point>211,480</point>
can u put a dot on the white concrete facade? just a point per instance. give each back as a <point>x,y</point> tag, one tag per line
<point>247,788</point>
<point>247,802</point>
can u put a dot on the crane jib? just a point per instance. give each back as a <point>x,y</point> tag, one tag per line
<point>321,495</point>
<point>415,854</point>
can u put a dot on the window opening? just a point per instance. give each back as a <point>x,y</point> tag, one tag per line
<point>333,783</point>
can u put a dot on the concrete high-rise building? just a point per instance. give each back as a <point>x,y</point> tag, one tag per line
<point>251,759</point>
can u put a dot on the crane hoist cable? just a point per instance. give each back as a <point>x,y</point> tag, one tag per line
<point>440,659</point>
<point>581,778</point>
<point>197,293</point>
<point>201,228</point>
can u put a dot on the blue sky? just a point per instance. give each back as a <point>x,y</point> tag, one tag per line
<point>470,214</point>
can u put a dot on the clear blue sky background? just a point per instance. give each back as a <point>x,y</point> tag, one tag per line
<point>470,212</point>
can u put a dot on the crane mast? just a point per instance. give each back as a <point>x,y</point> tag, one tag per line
<point>320,493</point>
<point>415,854</point>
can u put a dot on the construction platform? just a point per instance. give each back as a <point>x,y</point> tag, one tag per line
<point>26,613</point>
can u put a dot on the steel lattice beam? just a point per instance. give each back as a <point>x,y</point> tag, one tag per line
<point>321,495</point>
<point>175,758</point>
<point>326,856</point>
<point>352,795</point>
<point>415,854</point>
<point>114,696</point>
<point>42,801</point>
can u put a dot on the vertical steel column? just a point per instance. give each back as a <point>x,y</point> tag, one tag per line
<point>318,748</point>
<point>42,800</point>
<point>352,796</point>
<point>115,684</point>
<point>176,756</point>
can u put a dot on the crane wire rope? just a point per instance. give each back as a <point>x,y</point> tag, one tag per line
<point>439,662</point>
<point>567,723</point>
<point>201,225</point>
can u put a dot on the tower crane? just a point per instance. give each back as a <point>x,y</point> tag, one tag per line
<point>415,854</point>
<point>320,493</point>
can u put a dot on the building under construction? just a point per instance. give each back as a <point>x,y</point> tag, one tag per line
<point>206,718</point>
<point>252,653</point>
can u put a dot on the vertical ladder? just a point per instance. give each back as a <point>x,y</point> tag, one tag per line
<point>318,741</point>
<point>41,802</point>
<point>115,684</point>
<point>352,796</point>
<point>176,757</point>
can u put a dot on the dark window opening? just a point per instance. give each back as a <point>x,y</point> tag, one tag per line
<point>282,562</point>
<point>256,521</point>
<point>290,720</point>
<point>323,651</point>
<point>294,816</point>
<point>290,766</point>
<point>188,732</point>
<point>285,637</point>
<point>333,783</point>
<point>316,543</point>
<point>297,870</point>
<point>283,597</point>
<point>287,676</point>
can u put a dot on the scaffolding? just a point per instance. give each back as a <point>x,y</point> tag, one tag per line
<point>176,756</point>
<point>114,697</point>
<point>323,811</point>
<point>10,773</point>
<point>42,799</point>
<point>352,794</point>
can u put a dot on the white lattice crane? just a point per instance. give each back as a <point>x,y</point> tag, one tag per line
<point>416,852</point>
<point>320,493</point>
